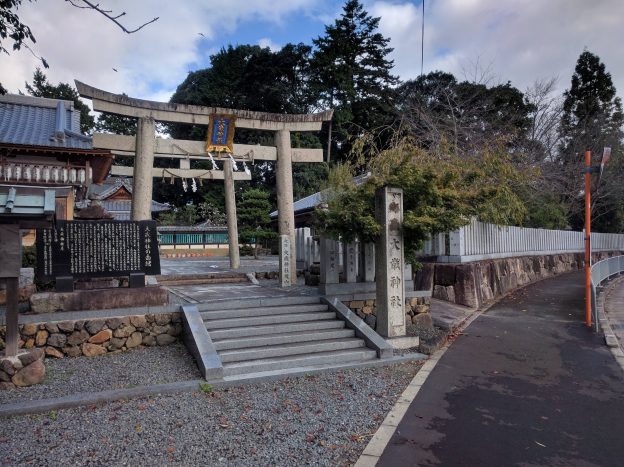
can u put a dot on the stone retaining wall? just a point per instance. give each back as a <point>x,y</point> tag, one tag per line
<point>98,336</point>
<point>415,310</point>
<point>98,299</point>
<point>472,284</point>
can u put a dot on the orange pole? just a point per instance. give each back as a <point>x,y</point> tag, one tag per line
<point>588,302</point>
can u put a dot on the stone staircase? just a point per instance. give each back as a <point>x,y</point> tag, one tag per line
<point>280,334</point>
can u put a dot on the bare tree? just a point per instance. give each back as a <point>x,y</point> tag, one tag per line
<point>463,117</point>
<point>114,17</point>
<point>545,117</point>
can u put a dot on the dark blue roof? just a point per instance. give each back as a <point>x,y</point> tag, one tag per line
<point>37,121</point>
<point>120,209</point>
<point>312,201</point>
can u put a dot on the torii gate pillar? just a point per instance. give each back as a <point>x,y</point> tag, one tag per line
<point>230,210</point>
<point>286,213</point>
<point>142,181</point>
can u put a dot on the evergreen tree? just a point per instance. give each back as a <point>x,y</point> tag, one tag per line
<point>253,218</point>
<point>592,113</point>
<point>40,87</point>
<point>592,119</point>
<point>351,74</point>
<point>116,124</point>
<point>250,77</point>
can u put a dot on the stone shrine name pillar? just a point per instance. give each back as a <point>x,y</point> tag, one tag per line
<point>389,263</point>
<point>285,261</point>
<point>286,213</point>
<point>142,181</point>
<point>230,211</point>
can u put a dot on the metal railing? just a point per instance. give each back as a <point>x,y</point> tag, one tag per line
<point>600,272</point>
<point>193,238</point>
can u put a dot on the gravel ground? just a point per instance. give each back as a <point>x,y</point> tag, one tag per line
<point>140,367</point>
<point>324,419</point>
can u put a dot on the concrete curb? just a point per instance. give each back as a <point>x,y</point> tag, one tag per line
<point>77,400</point>
<point>82,399</point>
<point>199,343</point>
<point>376,446</point>
<point>611,339</point>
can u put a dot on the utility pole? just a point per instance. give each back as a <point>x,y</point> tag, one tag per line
<point>606,155</point>
<point>588,294</point>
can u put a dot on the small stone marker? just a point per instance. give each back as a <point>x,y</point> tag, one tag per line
<point>285,261</point>
<point>368,258</point>
<point>329,261</point>
<point>350,262</point>
<point>389,263</point>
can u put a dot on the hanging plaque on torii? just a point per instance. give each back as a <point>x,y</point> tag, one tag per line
<point>221,133</point>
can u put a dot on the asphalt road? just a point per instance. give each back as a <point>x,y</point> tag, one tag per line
<point>527,384</point>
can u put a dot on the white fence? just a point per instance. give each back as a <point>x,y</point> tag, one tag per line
<point>479,240</point>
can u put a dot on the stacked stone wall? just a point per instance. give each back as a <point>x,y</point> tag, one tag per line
<point>472,284</point>
<point>415,309</point>
<point>98,336</point>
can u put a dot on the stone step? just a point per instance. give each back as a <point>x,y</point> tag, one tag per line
<point>302,326</point>
<point>268,319</point>
<point>282,350</point>
<point>262,311</point>
<point>281,363</point>
<point>283,338</point>
<point>257,302</point>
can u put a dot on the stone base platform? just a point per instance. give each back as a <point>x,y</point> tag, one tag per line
<point>99,299</point>
<point>404,342</point>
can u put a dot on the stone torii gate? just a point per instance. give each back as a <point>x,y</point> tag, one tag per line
<point>145,146</point>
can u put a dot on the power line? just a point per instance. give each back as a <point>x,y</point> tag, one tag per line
<point>422,40</point>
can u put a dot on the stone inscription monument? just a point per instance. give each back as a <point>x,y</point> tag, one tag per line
<point>285,261</point>
<point>389,263</point>
<point>75,249</point>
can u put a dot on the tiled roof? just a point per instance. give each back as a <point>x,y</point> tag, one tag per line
<point>119,206</point>
<point>312,201</point>
<point>37,121</point>
<point>110,186</point>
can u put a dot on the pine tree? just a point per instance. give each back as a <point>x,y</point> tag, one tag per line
<point>592,119</point>
<point>351,74</point>
<point>592,113</point>
<point>253,217</point>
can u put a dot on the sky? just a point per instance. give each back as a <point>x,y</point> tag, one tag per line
<point>506,40</point>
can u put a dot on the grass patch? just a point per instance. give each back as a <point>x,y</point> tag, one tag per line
<point>206,388</point>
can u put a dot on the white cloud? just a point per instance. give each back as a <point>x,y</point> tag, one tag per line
<point>82,44</point>
<point>266,42</point>
<point>523,40</point>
